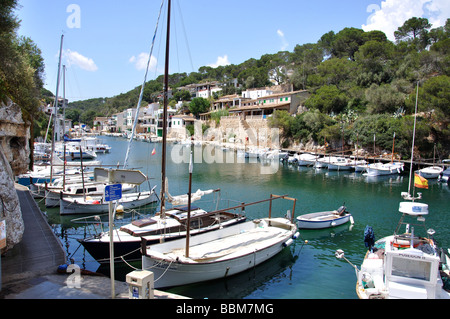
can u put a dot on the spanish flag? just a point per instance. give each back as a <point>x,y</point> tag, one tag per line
<point>420,182</point>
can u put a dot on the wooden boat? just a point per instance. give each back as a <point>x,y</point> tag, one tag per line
<point>325,219</point>
<point>220,253</point>
<point>153,230</point>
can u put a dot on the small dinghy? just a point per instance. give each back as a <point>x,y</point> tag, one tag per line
<point>324,219</point>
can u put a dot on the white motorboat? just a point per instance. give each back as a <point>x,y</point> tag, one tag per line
<point>340,164</point>
<point>430,172</point>
<point>93,144</point>
<point>96,204</point>
<point>324,219</point>
<point>324,161</point>
<point>403,265</point>
<point>218,254</point>
<point>359,165</point>
<point>379,169</point>
<point>78,190</point>
<point>307,159</point>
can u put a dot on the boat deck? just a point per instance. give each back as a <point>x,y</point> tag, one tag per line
<point>249,240</point>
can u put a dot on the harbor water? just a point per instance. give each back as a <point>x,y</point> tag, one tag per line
<point>308,268</point>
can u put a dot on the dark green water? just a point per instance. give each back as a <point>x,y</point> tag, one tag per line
<point>302,270</point>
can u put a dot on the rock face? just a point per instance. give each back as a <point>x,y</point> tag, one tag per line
<point>14,160</point>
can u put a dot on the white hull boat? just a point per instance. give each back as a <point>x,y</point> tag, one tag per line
<point>127,239</point>
<point>218,254</point>
<point>324,219</point>
<point>95,205</point>
<point>324,161</point>
<point>403,265</point>
<point>340,164</point>
<point>379,169</point>
<point>307,159</point>
<point>430,172</point>
<point>52,196</point>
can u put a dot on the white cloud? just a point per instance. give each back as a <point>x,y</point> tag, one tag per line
<point>140,62</point>
<point>284,43</point>
<point>393,13</point>
<point>221,61</point>
<point>75,58</point>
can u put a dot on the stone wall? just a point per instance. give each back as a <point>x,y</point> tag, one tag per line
<point>14,160</point>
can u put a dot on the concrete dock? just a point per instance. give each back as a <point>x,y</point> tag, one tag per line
<point>29,270</point>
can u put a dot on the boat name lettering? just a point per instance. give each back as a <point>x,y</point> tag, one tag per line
<point>411,256</point>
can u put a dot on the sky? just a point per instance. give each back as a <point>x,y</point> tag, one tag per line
<point>106,44</point>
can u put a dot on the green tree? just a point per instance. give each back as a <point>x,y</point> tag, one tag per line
<point>198,105</point>
<point>327,99</point>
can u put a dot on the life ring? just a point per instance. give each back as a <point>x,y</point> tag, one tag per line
<point>404,241</point>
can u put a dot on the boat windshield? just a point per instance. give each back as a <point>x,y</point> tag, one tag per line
<point>418,269</point>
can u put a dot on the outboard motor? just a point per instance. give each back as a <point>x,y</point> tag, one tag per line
<point>369,237</point>
<point>342,210</point>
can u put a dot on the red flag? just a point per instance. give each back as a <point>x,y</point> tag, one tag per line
<point>154,151</point>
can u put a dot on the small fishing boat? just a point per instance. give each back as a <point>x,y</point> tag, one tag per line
<point>220,253</point>
<point>340,164</point>
<point>325,219</point>
<point>403,265</point>
<point>307,159</point>
<point>380,169</point>
<point>127,239</point>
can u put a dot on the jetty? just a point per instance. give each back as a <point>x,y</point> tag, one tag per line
<point>30,269</point>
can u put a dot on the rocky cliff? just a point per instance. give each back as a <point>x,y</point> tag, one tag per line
<point>14,160</point>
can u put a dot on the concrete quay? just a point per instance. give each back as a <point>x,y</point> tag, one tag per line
<point>29,270</point>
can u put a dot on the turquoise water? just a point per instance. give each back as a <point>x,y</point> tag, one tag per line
<point>304,270</point>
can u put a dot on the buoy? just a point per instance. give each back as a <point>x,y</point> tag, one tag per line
<point>306,241</point>
<point>288,242</point>
<point>296,235</point>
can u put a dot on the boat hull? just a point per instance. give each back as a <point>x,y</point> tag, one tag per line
<point>68,207</point>
<point>430,172</point>
<point>306,223</point>
<point>128,247</point>
<point>181,272</point>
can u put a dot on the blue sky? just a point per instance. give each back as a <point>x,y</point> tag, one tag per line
<point>106,43</point>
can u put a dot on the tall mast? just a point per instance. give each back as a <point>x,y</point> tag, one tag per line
<point>164,135</point>
<point>56,105</point>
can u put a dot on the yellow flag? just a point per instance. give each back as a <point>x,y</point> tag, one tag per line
<point>420,182</point>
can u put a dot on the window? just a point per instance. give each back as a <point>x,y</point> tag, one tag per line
<point>411,269</point>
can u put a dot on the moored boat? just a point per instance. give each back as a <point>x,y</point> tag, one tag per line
<point>220,253</point>
<point>325,219</point>
<point>94,205</point>
<point>430,172</point>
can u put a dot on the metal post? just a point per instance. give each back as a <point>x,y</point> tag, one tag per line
<point>111,242</point>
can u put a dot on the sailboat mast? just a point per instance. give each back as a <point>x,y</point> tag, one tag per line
<point>411,180</point>
<point>56,105</point>
<point>164,135</point>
